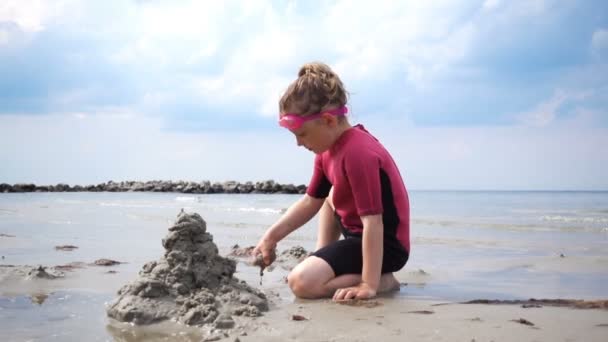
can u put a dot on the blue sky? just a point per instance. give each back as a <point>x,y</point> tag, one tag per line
<point>465,94</point>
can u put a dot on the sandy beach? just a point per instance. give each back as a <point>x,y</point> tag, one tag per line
<point>420,320</point>
<point>390,317</point>
<point>450,267</point>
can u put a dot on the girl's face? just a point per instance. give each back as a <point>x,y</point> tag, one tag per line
<point>316,135</point>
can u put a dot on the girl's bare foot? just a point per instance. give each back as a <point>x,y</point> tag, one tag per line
<point>388,282</point>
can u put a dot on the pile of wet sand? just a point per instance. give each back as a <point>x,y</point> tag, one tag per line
<point>190,284</point>
<point>287,259</point>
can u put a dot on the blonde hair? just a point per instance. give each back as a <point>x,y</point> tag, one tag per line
<point>317,88</point>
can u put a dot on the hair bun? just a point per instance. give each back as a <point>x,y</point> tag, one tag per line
<point>306,69</point>
<point>316,88</point>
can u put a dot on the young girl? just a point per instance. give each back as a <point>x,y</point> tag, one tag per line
<point>357,190</point>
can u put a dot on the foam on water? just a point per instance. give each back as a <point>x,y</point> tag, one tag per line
<point>561,218</point>
<point>187,199</point>
<point>258,210</point>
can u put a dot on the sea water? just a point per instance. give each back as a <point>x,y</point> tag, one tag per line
<point>465,245</point>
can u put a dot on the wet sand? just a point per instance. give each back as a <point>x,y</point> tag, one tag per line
<point>399,319</point>
<point>397,316</point>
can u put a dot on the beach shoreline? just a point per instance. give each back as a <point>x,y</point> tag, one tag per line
<point>393,316</point>
<point>489,246</point>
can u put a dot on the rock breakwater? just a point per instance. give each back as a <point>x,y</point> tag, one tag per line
<point>204,187</point>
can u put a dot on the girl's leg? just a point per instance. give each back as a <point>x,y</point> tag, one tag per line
<point>308,278</point>
<point>314,278</point>
<point>329,230</point>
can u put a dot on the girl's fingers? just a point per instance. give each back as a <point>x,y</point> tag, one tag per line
<point>337,294</point>
<point>344,294</point>
<point>350,294</point>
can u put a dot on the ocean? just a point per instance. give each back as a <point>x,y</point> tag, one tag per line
<point>465,245</point>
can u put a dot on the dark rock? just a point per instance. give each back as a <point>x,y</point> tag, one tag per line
<point>231,187</point>
<point>289,189</point>
<point>66,248</point>
<point>41,273</point>
<point>22,187</point>
<point>217,188</point>
<point>70,267</point>
<point>224,321</point>
<point>422,312</point>
<point>523,321</point>
<point>191,188</point>
<point>62,187</point>
<point>246,188</point>
<point>106,262</point>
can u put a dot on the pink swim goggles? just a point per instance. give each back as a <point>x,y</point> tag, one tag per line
<point>295,121</point>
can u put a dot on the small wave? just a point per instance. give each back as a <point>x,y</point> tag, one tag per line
<point>127,205</point>
<point>260,210</point>
<point>506,226</point>
<point>561,218</point>
<point>60,222</point>
<point>67,201</point>
<point>187,199</point>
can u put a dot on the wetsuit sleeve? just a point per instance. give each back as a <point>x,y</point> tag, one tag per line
<point>319,185</point>
<point>363,173</point>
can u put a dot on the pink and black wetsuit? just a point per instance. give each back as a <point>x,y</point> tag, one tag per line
<point>365,181</point>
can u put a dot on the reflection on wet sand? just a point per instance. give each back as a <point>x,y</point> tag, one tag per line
<point>165,331</point>
<point>39,298</point>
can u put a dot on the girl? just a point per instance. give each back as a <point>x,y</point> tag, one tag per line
<point>357,190</point>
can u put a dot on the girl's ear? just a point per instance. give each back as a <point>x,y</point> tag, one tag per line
<point>330,120</point>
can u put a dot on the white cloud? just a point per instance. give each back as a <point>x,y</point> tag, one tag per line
<point>377,39</point>
<point>30,15</point>
<point>491,4</point>
<point>248,52</point>
<point>599,43</point>
<point>545,112</point>
<point>361,40</point>
<point>600,39</point>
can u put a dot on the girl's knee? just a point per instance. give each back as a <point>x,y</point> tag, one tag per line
<point>299,284</point>
<point>304,283</point>
<point>308,279</point>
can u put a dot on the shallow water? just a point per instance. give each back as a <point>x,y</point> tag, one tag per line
<point>500,245</point>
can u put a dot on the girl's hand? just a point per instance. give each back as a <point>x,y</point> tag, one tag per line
<point>267,249</point>
<point>361,291</point>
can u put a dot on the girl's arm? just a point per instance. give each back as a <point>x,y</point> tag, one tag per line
<point>373,243</point>
<point>295,217</point>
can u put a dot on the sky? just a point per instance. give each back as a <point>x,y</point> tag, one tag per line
<point>465,95</point>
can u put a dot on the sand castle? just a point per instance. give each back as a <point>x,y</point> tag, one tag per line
<point>190,284</point>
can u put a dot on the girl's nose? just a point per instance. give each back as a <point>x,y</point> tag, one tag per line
<point>298,141</point>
